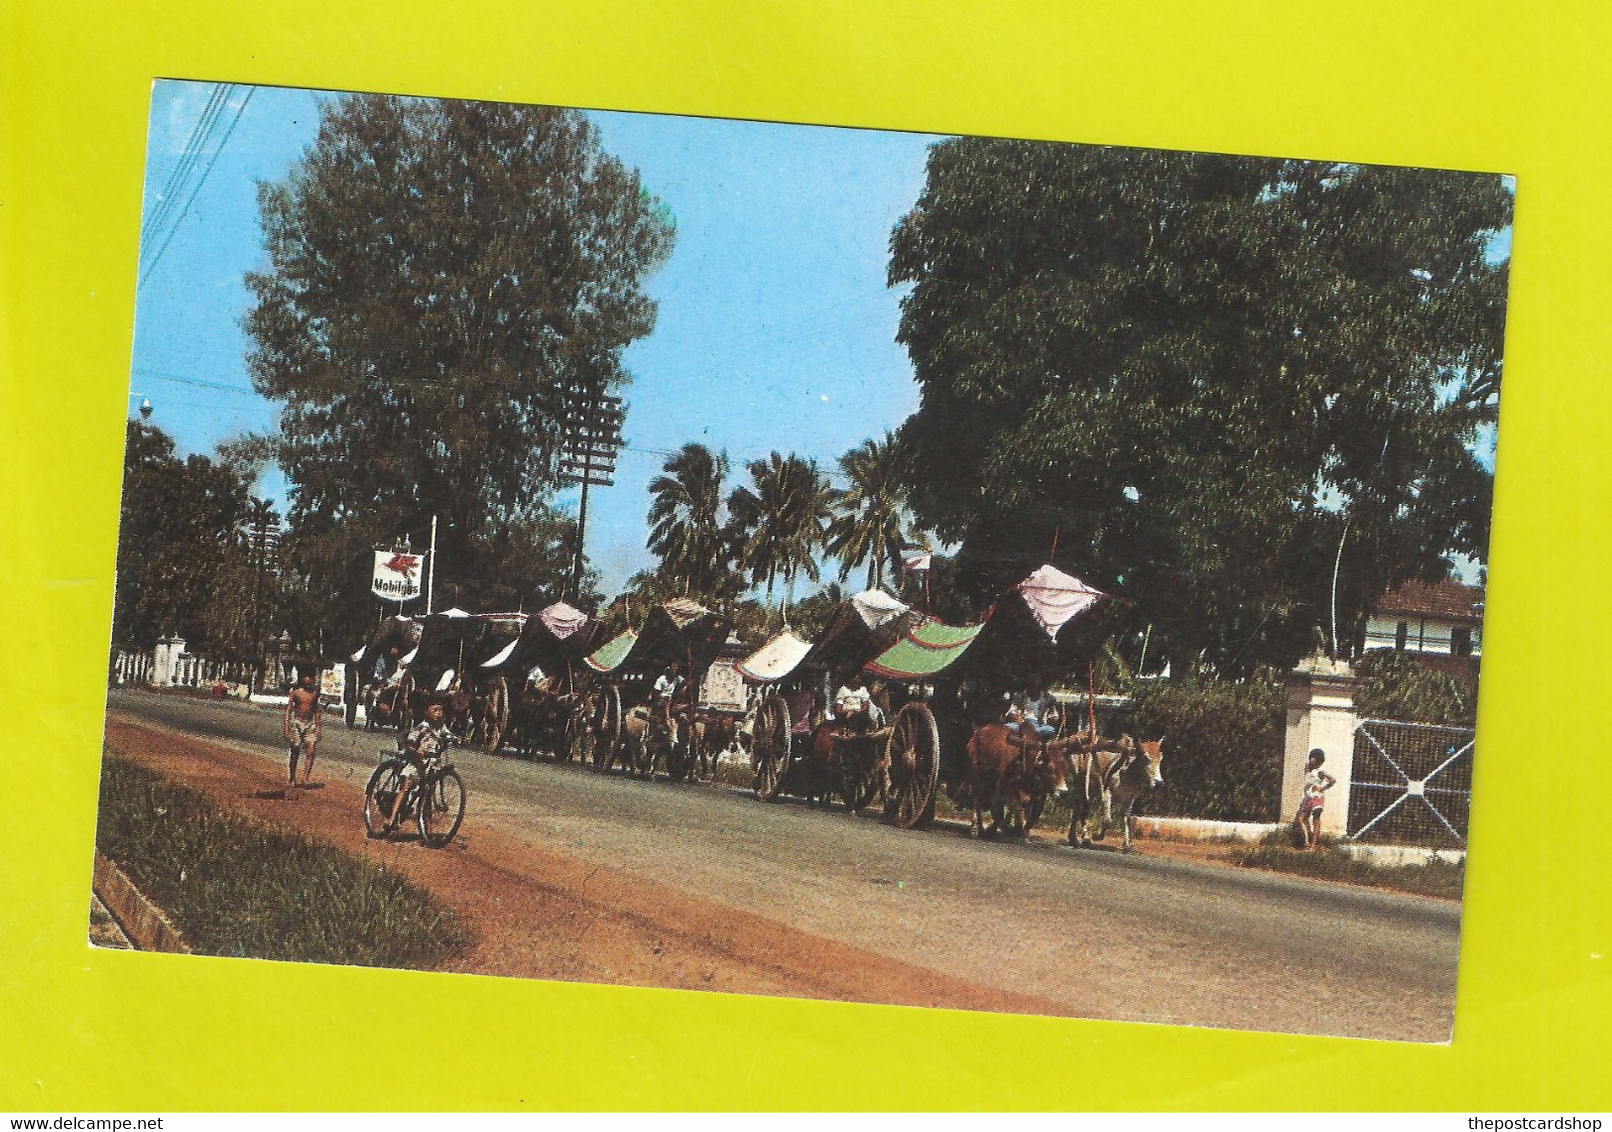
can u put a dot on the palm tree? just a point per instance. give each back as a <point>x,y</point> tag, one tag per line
<point>871,522</point>
<point>778,522</point>
<point>685,521</point>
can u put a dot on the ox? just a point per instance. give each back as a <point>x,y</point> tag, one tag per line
<point>1011,775</point>
<point>1110,771</point>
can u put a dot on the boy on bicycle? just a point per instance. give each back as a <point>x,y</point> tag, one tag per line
<point>426,740</point>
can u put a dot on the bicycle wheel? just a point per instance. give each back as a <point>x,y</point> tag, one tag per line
<point>381,795</point>
<point>442,808</point>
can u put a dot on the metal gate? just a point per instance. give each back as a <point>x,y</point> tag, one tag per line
<point>1412,783</point>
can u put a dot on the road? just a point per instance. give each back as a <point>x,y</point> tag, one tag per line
<point>1080,933</point>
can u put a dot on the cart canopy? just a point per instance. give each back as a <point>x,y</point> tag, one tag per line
<point>555,635</point>
<point>925,651</point>
<point>1044,628</point>
<point>608,656</point>
<point>678,632</point>
<point>862,627</point>
<point>774,660</point>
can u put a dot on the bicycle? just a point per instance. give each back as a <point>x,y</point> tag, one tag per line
<point>435,799</point>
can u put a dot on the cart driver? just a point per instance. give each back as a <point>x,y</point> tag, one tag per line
<point>665,693</point>
<point>853,704</point>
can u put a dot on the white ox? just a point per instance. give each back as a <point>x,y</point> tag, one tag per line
<point>1112,772</point>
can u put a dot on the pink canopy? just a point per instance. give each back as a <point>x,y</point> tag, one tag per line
<point>1055,597</point>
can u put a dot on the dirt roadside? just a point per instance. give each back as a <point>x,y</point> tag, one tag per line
<point>547,915</point>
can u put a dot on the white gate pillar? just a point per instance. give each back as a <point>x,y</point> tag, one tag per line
<point>165,661</point>
<point>1320,713</point>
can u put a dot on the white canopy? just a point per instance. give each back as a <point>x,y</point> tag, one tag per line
<point>775,659</point>
<point>503,655</point>
<point>875,607</point>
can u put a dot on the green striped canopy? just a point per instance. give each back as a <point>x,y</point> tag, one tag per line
<point>929,649</point>
<point>608,656</point>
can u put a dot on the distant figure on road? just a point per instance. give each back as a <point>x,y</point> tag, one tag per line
<point>1316,783</point>
<point>302,727</point>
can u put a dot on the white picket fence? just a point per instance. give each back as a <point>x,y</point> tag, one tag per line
<point>168,665</point>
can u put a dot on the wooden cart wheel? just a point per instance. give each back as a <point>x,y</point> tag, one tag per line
<point>771,742</point>
<point>495,714</point>
<point>913,752</point>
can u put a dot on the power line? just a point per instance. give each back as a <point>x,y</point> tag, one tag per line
<point>202,181</point>
<point>196,381</point>
<point>195,145</point>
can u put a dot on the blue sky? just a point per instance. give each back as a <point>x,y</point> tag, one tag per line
<point>775,330</point>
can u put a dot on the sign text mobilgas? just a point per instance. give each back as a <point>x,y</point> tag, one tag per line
<point>397,575</point>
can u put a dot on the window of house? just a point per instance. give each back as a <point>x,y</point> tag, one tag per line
<point>1461,641</point>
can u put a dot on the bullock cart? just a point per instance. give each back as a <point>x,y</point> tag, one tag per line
<point>538,684</point>
<point>1048,627</point>
<point>445,664</point>
<point>644,733</point>
<point>796,747</point>
<point>375,674</point>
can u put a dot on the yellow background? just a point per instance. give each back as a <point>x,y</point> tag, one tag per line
<point>1516,87</point>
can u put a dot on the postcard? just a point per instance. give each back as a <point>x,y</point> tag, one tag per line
<point>945,571</point>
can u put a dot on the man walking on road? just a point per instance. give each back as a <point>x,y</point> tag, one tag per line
<point>302,727</point>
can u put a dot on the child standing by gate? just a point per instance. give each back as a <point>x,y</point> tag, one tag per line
<point>1316,783</point>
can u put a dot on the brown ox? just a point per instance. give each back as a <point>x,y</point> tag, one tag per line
<point>1011,775</point>
<point>1109,771</point>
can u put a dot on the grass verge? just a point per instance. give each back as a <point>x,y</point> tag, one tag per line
<point>1436,878</point>
<point>234,887</point>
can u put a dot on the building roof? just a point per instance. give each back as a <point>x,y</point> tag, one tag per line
<point>1447,599</point>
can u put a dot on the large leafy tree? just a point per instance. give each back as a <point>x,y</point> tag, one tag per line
<point>439,275</point>
<point>778,522</point>
<point>686,521</point>
<point>1198,377</point>
<point>870,524</point>
<point>184,562</point>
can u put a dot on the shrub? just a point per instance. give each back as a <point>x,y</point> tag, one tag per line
<point>1397,686</point>
<point>1223,745</point>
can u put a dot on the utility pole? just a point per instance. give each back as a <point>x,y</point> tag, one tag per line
<point>591,440</point>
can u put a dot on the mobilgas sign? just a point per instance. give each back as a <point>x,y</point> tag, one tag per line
<point>397,575</point>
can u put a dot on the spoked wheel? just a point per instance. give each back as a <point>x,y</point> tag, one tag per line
<point>442,808</point>
<point>381,795</point>
<point>771,742</point>
<point>495,714</point>
<point>913,752</point>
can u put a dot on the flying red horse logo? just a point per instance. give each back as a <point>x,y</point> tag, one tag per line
<point>405,564</point>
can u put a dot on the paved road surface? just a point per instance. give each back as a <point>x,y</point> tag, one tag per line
<point>1097,933</point>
